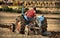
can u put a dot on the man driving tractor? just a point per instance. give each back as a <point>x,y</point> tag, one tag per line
<point>29,16</point>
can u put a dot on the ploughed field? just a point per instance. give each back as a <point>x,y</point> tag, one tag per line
<point>6,33</point>
<point>53,21</point>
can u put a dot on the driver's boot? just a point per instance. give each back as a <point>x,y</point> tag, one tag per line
<point>26,29</point>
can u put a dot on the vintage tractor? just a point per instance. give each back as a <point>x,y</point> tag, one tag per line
<point>34,27</point>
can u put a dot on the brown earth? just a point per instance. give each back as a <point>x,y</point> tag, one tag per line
<point>8,17</point>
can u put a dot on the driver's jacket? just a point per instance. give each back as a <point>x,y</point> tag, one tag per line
<point>30,13</point>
